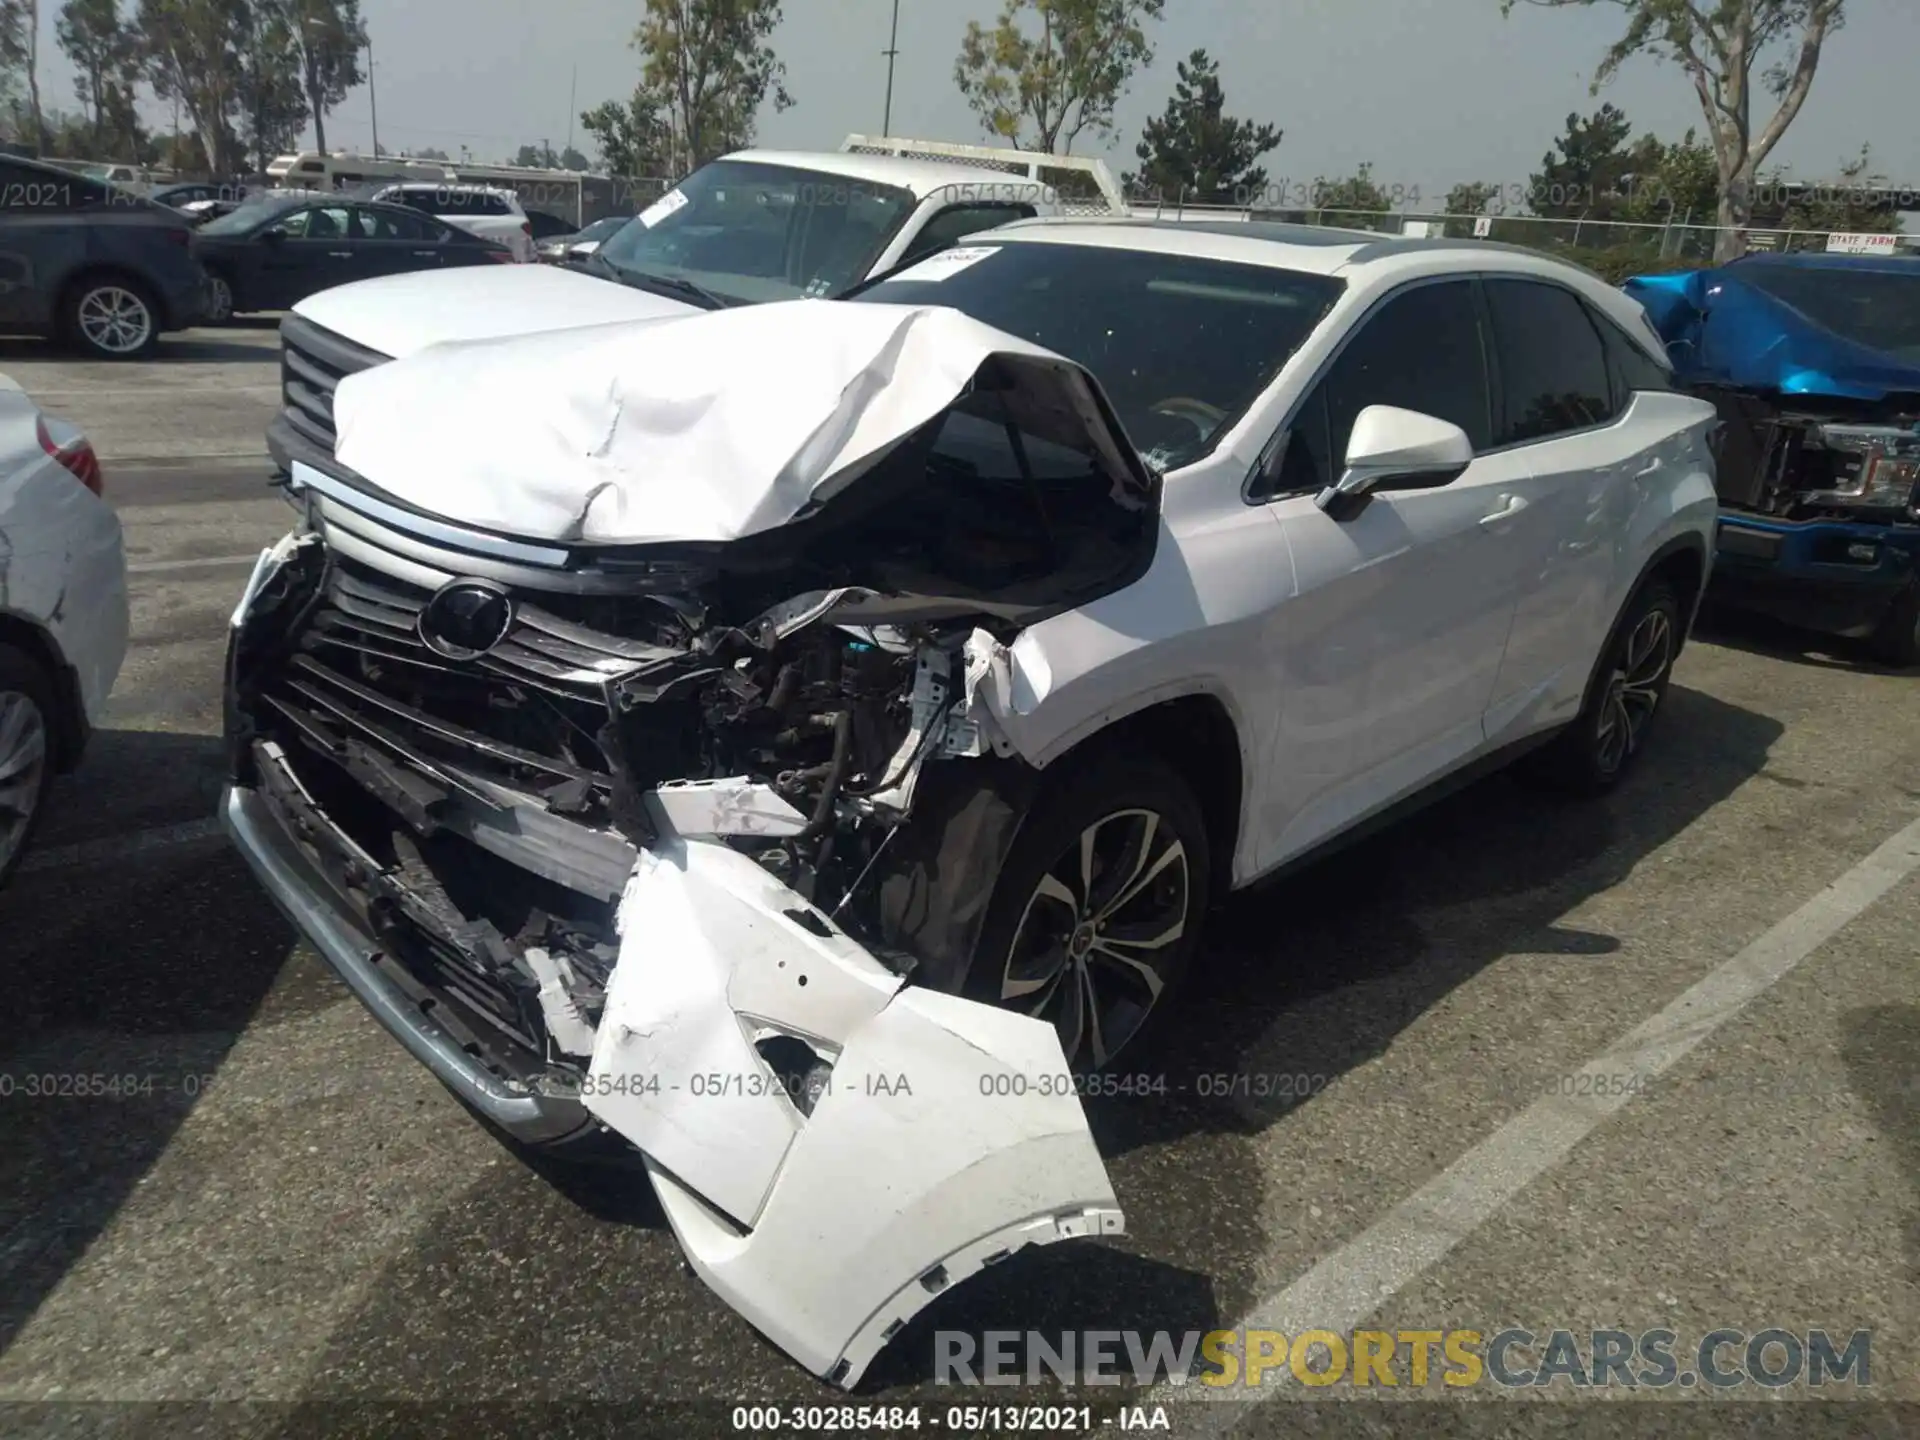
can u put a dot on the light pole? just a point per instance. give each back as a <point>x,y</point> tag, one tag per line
<point>373,97</point>
<point>892,50</point>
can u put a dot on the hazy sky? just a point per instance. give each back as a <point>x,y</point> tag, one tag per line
<point>1431,91</point>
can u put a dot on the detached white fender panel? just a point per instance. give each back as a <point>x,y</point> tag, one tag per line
<point>946,1135</point>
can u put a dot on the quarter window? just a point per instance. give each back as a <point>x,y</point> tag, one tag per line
<point>1633,368</point>
<point>1553,369</point>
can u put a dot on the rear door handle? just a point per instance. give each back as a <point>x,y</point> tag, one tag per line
<point>1510,506</point>
<point>339,254</point>
<point>425,254</point>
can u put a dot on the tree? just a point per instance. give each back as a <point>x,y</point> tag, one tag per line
<point>104,53</point>
<point>1581,176</point>
<point>329,36</point>
<point>272,93</point>
<point>1718,43</point>
<point>632,138</point>
<point>1357,192</point>
<point>20,52</point>
<point>1471,198</point>
<point>709,67</point>
<point>537,157</point>
<point>572,159</point>
<point>1672,182</point>
<point>1194,152</point>
<point>193,51</point>
<point>1044,90</point>
<point>431,154</point>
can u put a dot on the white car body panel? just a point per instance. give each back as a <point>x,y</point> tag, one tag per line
<point>1360,660</point>
<point>931,1151</point>
<point>398,315</point>
<point>62,565</point>
<point>699,428</point>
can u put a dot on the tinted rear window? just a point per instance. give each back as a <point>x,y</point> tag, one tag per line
<point>1553,369</point>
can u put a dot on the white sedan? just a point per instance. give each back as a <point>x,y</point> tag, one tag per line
<point>63,609</point>
<point>797,739</point>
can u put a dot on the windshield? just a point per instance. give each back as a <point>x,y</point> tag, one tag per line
<point>240,221</point>
<point>601,229</point>
<point>1876,308</point>
<point>1181,345</point>
<point>754,232</point>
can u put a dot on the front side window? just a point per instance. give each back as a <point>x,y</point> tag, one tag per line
<point>1420,350</point>
<point>1553,371</point>
<point>1182,345</point>
<point>956,222</point>
<point>747,231</point>
<point>328,223</point>
<point>395,225</point>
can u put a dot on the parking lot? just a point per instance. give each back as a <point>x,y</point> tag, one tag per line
<point>1361,1123</point>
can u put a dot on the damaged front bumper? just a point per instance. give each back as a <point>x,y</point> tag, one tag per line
<point>833,1146</point>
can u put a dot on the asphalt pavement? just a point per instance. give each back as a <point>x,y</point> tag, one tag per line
<point>1370,1116</point>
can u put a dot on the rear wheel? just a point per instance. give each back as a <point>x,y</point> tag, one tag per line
<point>26,752</point>
<point>1593,753</point>
<point>1897,641</point>
<point>1096,915</point>
<point>111,318</point>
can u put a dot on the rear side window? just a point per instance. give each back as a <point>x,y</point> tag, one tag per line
<point>1553,369</point>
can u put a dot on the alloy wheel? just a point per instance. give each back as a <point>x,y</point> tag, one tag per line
<point>115,320</point>
<point>1097,940</point>
<point>220,308</point>
<point>1634,689</point>
<point>23,763</point>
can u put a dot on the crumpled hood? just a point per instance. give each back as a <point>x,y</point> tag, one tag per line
<point>399,315</point>
<point>706,428</point>
<point>1721,328</point>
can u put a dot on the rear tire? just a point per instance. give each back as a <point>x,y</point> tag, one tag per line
<point>1591,755</point>
<point>27,718</point>
<point>1897,642</point>
<point>1096,915</point>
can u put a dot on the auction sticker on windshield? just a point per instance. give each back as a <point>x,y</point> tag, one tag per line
<point>662,208</point>
<point>948,262</point>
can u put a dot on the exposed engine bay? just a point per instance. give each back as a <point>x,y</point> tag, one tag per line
<point>1803,460</point>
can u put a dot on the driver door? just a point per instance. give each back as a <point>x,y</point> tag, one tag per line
<point>317,254</point>
<point>1391,644</point>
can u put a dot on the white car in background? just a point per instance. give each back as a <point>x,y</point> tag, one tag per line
<point>484,210</point>
<point>63,609</point>
<point>796,739</point>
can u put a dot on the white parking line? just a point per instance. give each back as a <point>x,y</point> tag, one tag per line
<point>1355,1280</point>
<point>162,567</point>
<point>121,847</point>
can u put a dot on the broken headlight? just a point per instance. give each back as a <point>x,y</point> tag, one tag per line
<point>1872,467</point>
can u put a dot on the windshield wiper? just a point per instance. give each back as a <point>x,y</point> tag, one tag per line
<point>644,280</point>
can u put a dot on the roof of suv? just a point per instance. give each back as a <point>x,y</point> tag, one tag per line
<point>1321,250</point>
<point>922,177</point>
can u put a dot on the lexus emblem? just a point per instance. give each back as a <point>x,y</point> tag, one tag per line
<point>465,619</point>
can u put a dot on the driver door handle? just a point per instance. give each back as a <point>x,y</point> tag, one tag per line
<point>339,254</point>
<point>1510,506</point>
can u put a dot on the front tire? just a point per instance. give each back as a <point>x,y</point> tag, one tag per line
<point>1595,751</point>
<point>26,753</point>
<point>109,317</point>
<point>1096,915</point>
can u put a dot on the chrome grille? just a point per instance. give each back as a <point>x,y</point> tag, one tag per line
<point>313,362</point>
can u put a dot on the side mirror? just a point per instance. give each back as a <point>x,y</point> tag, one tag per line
<point>1395,449</point>
<point>273,235</point>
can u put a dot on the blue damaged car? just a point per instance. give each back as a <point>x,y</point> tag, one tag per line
<point>1814,364</point>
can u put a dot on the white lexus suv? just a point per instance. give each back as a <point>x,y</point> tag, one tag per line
<point>801,741</point>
